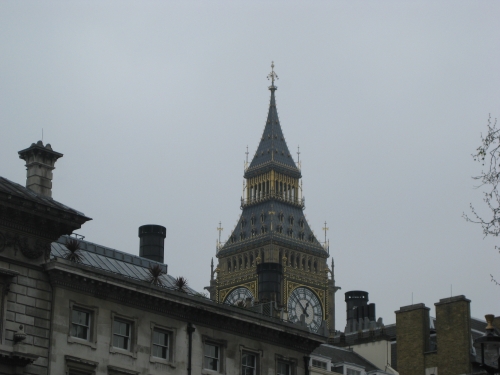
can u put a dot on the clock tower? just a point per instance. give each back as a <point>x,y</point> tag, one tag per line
<point>272,255</point>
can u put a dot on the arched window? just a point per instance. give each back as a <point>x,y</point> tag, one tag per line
<point>252,220</point>
<point>229,265</point>
<point>301,222</point>
<point>262,217</point>
<point>301,235</point>
<point>263,229</point>
<point>290,220</point>
<point>281,217</point>
<point>290,232</point>
<point>242,235</point>
<point>279,229</point>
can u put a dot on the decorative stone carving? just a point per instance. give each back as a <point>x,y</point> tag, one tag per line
<point>29,252</point>
<point>19,335</point>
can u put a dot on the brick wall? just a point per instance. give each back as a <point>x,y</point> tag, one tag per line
<point>412,331</point>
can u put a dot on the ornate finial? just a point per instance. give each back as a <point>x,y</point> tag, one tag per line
<point>272,76</point>
<point>325,228</point>
<point>220,229</point>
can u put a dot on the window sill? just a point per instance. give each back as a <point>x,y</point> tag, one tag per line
<point>75,340</point>
<point>162,361</point>
<point>128,353</point>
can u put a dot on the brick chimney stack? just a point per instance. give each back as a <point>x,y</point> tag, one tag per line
<point>40,162</point>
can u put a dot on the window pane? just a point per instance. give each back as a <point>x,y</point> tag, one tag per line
<point>248,364</point>
<point>283,368</point>
<point>119,342</point>
<point>211,363</point>
<point>80,317</point>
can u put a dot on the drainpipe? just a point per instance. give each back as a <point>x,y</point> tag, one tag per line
<point>190,330</point>
<point>307,359</point>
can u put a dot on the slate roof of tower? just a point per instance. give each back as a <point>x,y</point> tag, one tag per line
<point>299,225</point>
<point>273,152</point>
<point>113,261</point>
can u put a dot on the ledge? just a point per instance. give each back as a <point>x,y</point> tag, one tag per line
<point>16,355</point>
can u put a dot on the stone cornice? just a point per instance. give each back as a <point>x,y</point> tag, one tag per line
<point>16,356</point>
<point>24,215</point>
<point>179,305</point>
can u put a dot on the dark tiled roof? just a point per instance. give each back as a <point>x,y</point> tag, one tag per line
<point>340,355</point>
<point>272,152</point>
<point>11,188</point>
<point>278,208</point>
<point>114,261</point>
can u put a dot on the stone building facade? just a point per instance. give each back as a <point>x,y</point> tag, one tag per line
<point>69,306</point>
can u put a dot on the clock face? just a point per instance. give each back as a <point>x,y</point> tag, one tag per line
<point>303,301</point>
<point>237,295</point>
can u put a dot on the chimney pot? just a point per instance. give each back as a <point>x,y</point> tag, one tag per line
<point>40,161</point>
<point>152,242</point>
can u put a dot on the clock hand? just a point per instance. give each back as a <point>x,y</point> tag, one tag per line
<point>300,304</point>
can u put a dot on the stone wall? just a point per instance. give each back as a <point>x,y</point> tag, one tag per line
<point>28,303</point>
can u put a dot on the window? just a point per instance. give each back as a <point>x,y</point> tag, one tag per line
<point>248,364</point>
<point>319,364</point>
<point>212,357</point>
<point>351,371</point>
<point>161,340</point>
<point>121,334</point>
<point>79,366</point>
<point>80,323</point>
<point>283,368</point>
<point>162,344</point>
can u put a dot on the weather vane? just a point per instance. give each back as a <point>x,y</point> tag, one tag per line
<point>272,76</point>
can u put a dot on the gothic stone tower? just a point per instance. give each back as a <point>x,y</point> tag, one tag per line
<point>272,254</point>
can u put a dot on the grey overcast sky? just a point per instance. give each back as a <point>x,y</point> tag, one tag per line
<point>153,104</point>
